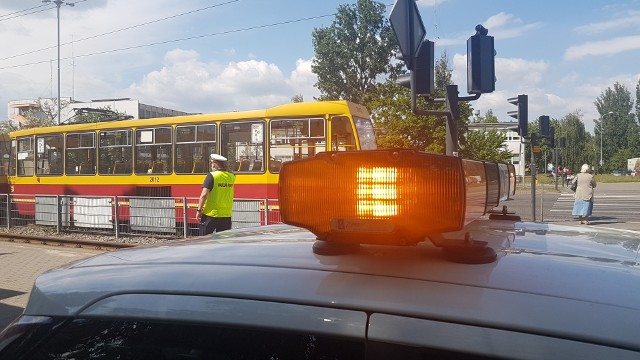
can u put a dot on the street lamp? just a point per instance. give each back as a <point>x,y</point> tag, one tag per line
<point>58,4</point>
<point>601,133</point>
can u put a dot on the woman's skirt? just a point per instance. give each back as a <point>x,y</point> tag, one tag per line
<point>582,207</point>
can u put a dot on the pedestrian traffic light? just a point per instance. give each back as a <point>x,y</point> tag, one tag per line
<point>481,72</point>
<point>522,114</point>
<point>420,79</point>
<point>562,142</point>
<point>545,130</point>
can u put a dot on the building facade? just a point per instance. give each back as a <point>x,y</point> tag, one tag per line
<point>18,109</point>
<point>513,141</point>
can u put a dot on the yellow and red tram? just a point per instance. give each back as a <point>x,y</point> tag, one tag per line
<point>167,157</point>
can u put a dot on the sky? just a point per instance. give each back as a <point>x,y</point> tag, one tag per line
<point>210,56</point>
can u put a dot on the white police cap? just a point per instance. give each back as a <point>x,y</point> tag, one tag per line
<point>217,157</point>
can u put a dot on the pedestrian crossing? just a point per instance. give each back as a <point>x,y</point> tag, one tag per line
<point>607,209</point>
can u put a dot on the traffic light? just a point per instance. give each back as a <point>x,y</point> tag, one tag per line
<point>421,79</point>
<point>552,137</point>
<point>522,114</point>
<point>545,130</point>
<point>481,69</point>
<point>562,142</point>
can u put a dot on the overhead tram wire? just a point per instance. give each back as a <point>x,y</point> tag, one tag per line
<point>178,40</point>
<point>121,29</point>
<point>46,7</point>
<point>17,14</point>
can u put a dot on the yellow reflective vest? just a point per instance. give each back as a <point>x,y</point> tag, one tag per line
<point>220,200</point>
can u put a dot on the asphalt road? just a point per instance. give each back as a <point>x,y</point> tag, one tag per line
<point>616,205</point>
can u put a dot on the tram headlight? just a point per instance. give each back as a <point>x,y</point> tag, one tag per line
<point>374,197</point>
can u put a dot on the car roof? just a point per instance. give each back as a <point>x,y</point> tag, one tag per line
<point>577,282</point>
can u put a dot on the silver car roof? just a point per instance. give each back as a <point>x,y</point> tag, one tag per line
<point>577,282</point>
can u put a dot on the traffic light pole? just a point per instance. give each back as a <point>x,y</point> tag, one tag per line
<point>452,113</point>
<point>533,185</point>
<point>555,162</point>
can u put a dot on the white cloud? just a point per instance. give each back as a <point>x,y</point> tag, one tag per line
<point>506,26</point>
<point>518,74</point>
<point>500,26</point>
<point>429,3</point>
<point>187,83</point>
<point>630,20</point>
<point>605,47</point>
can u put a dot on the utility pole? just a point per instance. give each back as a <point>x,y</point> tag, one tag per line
<point>58,3</point>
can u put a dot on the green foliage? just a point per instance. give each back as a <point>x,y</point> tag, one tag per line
<point>489,118</point>
<point>579,149</point>
<point>7,126</point>
<point>352,53</point>
<point>619,160</point>
<point>88,116</point>
<point>297,98</point>
<point>617,124</point>
<point>486,145</point>
<point>398,127</point>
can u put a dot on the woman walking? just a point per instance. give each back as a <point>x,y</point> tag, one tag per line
<point>583,204</point>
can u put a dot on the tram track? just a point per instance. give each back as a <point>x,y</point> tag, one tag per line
<point>59,241</point>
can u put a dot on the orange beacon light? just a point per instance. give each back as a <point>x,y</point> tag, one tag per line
<point>390,197</point>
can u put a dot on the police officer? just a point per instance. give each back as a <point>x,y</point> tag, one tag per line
<point>216,199</point>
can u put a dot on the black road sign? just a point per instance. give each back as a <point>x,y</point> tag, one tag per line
<point>408,27</point>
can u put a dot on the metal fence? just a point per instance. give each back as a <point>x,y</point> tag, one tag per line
<point>125,215</point>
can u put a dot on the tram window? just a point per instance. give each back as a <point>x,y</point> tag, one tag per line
<point>292,139</point>
<point>81,154</point>
<point>242,143</point>
<point>25,157</point>
<point>342,138</point>
<point>5,151</point>
<point>153,151</point>
<point>12,159</point>
<point>194,143</point>
<point>115,155</point>
<point>49,154</point>
<point>366,133</point>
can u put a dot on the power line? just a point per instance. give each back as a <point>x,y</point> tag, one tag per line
<point>17,13</point>
<point>122,29</point>
<point>179,40</point>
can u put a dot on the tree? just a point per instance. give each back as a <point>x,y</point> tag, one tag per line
<point>486,145</point>
<point>354,52</point>
<point>398,127</point>
<point>91,115</point>
<point>616,122</point>
<point>7,126</point>
<point>489,118</point>
<point>579,146</point>
<point>297,98</point>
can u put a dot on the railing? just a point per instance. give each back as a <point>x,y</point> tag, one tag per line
<point>125,215</point>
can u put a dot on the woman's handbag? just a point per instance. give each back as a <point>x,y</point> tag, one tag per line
<point>574,185</point>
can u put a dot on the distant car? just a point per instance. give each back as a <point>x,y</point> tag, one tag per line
<point>617,173</point>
